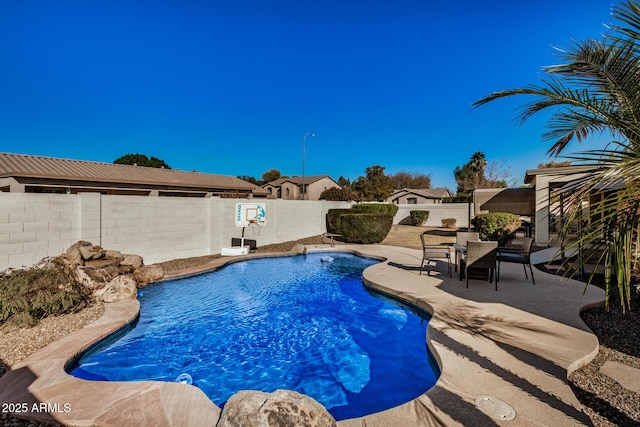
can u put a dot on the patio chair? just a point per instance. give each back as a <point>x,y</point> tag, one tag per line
<point>520,256</point>
<point>434,251</point>
<point>480,255</point>
<point>462,237</point>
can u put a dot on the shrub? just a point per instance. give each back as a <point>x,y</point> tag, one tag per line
<point>419,217</point>
<point>338,194</point>
<point>365,227</point>
<point>448,222</point>
<point>376,208</point>
<point>334,223</point>
<point>29,295</point>
<point>498,226</point>
<point>458,198</point>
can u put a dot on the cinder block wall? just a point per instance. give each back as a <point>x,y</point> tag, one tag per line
<point>34,226</point>
<point>459,211</point>
<point>158,228</point>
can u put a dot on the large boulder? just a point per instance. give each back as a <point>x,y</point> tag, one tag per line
<point>73,254</point>
<point>148,274</point>
<point>94,278</point>
<point>101,263</point>
<point>91,252</point>
<point>134,261</point>
<point>121,288</point>
<point>115,255</point>
<point>249,408</point>
<point>108,274</point>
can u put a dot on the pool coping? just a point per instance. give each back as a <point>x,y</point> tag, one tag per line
<point>515,346</point>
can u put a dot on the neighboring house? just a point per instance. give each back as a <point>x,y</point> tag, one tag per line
<point>35,174</point>
<point>291,188</point>
<point>408,196</point>
<point>545,181</point>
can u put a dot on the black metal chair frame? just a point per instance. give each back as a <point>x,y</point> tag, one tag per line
<point>518,256</point>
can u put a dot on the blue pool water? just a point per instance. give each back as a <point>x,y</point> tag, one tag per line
<point>292,322</point>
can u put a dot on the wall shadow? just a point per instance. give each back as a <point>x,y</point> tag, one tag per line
<point>465,413</point>
<point>20,408</point>
<point>523,384</point>
<point>603,408</point>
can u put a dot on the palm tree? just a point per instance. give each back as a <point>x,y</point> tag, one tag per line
<point>597,91</point>
<point>477,163</point>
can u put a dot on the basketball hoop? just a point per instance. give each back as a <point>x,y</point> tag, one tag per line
<point>256,226</point>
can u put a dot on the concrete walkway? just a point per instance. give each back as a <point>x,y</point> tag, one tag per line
<point>504,356</point>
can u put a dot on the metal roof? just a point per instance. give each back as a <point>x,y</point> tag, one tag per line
<point>429,193</point>
<point>297,180</point>
<point>28,166</point>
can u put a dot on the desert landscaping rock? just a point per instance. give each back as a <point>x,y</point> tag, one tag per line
<point>90,252</point>
<point>134,261</point>
<point>97,269</point>
<point>121,288</point>
<point>249,408</point>
<point>148,274</point>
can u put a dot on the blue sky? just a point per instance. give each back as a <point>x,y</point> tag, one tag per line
<point>232,87</point>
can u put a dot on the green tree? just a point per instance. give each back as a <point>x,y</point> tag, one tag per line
<point>250,179</point>
<point>374,186</point>
<point>141,160</point>
<point>345,183</point>
<point>271,175</point>
<point>338,194</point>
<point>596,91</point>
<point>410,180</point>
<point>471,175</point>
<point>554,164</point>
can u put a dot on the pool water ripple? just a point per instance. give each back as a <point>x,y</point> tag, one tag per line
<point>263,324</point>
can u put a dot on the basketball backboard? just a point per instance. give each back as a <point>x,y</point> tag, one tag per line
<point>247,213</point>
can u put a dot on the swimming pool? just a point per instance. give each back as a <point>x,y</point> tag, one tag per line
<point>289,322</point>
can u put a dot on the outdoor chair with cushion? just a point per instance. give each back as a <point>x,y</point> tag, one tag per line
<point>434,251</point>
<point>462,237</point>
<point>520,256</point>
<point>480,255</point>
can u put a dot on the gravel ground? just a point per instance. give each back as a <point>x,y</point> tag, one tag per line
<point>16,344</point>
<point>604,400</point>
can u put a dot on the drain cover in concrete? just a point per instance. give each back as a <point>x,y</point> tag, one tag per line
<point>495,408</point>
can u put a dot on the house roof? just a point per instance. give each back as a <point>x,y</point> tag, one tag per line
<point>429,193</point>
<point>530,174</point>
<point>297,180</point>
<point>28,166</point>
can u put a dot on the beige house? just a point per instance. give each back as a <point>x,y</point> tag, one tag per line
<point>35,174</point>
<point>545,181</point>
<point>291,188</point>
<point>428,196</point>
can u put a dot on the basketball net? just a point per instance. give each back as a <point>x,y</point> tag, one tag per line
<point>256,226</point>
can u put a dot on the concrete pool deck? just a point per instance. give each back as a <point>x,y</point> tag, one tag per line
<point>503,354</point>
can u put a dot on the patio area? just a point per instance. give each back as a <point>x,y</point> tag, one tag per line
<point>503,355</point>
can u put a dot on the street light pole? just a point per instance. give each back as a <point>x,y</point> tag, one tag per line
<point>304,144</point>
